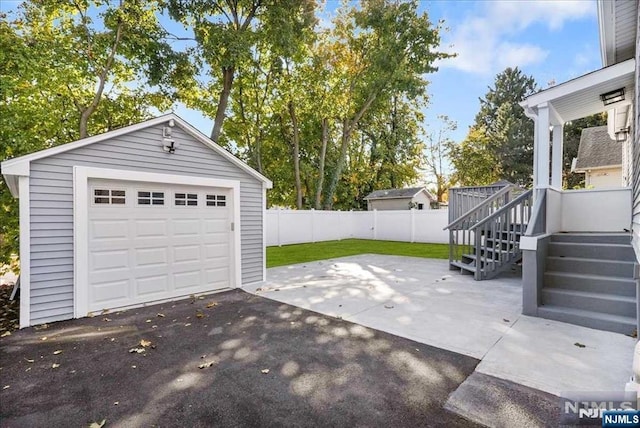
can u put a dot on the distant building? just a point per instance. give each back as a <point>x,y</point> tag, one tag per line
<point>400,199</point>
<point>599,158</point>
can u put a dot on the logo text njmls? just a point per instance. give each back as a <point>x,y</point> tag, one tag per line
<point>621,418</point>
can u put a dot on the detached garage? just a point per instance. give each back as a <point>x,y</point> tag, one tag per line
<point>143,214</point>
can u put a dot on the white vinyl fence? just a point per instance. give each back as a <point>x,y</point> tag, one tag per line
<point>296,227</point>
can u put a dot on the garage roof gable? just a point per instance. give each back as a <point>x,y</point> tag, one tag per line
<point>13,168</point>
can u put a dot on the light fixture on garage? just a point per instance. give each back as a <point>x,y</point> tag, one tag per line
<point>168,143</point>
<point>612,96</point>
<point>622,134</point>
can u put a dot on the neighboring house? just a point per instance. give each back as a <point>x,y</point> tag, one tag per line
<point>400,199</point>
<point>599,158</point>
<point>146,213</point>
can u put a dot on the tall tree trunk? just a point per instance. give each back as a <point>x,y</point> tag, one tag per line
<point>347,128</point>
<point>337,173</point>
<point>227,82</point>
<point>86,113</point>
<point>323,155</point>
<point>296,153</point>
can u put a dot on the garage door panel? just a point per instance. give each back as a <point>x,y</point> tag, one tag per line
<point>109,260</point>
<point>186,227</point>
<point>108,230</point>
<point>187,280</point>
<point>140,252</point>
<point>216,278</point>
<point>152,285</point>
<point>186,253</point>
<point>109,292</point>
<point>151,257</point>
<point>151,228</point>
<point>216,250</point>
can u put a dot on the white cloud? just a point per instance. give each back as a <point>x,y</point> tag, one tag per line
<point>485,42</point>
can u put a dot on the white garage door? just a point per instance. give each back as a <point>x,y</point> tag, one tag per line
<point>154,241</point>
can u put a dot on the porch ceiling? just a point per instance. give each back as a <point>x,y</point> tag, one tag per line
<point>580,97</point>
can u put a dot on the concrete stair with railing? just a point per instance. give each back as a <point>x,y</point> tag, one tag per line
<point>589,281</point>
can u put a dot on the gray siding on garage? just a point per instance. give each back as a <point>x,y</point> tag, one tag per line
<point>51,189</point>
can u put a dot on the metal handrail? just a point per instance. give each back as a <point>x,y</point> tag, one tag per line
<point>538,215</point>
<point>477,208</point>
<point>503,209</point>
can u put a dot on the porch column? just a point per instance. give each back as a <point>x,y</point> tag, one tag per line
<point>556,156</point>
<point>542,148</point>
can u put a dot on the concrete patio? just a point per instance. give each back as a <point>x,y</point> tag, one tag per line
<point>420,299</point>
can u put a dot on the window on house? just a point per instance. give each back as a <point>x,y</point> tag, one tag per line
<point>420,206</point>
<point>109,196</point>
<point>216,201</point>
<point>150,198</point>
<point>189,199</point>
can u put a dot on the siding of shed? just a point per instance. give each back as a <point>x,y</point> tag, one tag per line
<point>51,189</point>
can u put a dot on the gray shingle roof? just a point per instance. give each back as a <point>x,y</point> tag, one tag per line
<point>597,149</point>
<point>407,193</point>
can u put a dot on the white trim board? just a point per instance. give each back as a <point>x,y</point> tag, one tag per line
<point>25,252</point>
<point>81,176</point>
<point>21,166</point>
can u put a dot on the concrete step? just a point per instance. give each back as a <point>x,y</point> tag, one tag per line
<point>614,268</point>
<point>620,252</point>
<point>590,283</point>
<point>465,268</point>
<point>599,321</point>
<point>589,301</point>
<point>593,237</point>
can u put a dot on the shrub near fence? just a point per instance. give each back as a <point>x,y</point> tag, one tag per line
<point>301,226</point>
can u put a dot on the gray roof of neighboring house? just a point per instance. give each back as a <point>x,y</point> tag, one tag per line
<point>597,149</point>
<point>407,193</point>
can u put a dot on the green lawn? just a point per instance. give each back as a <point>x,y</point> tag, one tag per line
<point>300,253</point>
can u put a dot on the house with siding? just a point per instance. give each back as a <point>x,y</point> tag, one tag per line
<point>147,213</point>
<point>418,198</point>
<point>599,159</point>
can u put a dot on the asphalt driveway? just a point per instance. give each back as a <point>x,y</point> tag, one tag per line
<point>264,364</point>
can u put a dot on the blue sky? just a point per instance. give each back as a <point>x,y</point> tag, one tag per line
<point>550,40</point>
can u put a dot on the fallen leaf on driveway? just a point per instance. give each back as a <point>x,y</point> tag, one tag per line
<point>43,338</point>
<point>187,324</point>
<point>580,345</point>
<point>58,352</point>
<point>199,315</point>
<point>106,319</point>
<point>148,321</point>
<point>5,334</point>
<point>98,424</point>
<point>160,315</point>
<point>205,365</point>
<point>55,366</point>
<point>388,306</point>
<point>265,371</point>
<point>116,403</point>
<point>145,343</point>
<point>136,350</point>
<point>505,320</point>
<point>212,304</point>
<point>29,360</point>
<point>6,387</point>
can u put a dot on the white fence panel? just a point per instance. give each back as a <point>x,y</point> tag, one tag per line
<point>394,225</point>
<point>295,227</point>
<point>429,226</point>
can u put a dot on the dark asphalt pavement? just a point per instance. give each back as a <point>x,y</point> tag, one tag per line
<point>264,364</point>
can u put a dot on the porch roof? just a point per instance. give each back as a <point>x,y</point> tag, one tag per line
<point>580,97</point>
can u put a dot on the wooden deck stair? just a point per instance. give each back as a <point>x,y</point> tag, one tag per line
<point>485,240</point>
